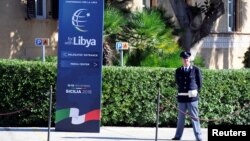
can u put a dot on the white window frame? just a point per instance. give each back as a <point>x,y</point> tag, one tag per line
<point>230,15</point>
<point>43,16</point>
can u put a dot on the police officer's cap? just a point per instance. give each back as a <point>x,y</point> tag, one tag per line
<point>185,54</point>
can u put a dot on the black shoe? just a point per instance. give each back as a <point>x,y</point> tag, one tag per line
<point>199,140</point>
<point>175,138</point>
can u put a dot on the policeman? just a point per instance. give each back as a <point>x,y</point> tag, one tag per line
<point>189,81</point>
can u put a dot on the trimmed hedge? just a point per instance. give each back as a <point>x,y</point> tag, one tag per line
<point>25,85</point>
<point>129,95</point>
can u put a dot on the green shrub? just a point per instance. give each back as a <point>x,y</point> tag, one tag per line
<point>162,59</point>
<point>24,85</point>
<point>129,98</point>
<point>224,93</point>
<point>52,59</point>
<point>247,59</point>
<point>199,61</point>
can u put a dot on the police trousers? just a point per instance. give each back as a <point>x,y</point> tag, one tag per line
<point>192,108</point>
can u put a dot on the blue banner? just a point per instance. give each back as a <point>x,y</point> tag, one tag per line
<point>78,90</point>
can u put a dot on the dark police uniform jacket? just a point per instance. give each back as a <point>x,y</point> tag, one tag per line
<point>190,80</point>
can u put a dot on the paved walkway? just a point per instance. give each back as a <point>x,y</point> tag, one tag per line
<point>106,134</point>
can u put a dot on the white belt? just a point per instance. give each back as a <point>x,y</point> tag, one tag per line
<point>185,94</point>
<point>190,93</point>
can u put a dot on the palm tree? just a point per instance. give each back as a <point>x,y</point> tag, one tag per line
<point>147,33</point>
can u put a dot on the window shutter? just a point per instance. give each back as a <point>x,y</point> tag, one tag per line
<point>153,3</point>
<point>39,8</point>
<point>55,9</point>
<point>31,9</point>
<point>239,9</point>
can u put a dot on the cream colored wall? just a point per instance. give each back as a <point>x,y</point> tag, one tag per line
<point>17,35</point>
<point>223,51</point>
<point>137,5</point>
<point>246,17</point>
<point>223,58</point>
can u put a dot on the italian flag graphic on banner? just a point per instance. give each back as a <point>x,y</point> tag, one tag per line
<point>77,119</point>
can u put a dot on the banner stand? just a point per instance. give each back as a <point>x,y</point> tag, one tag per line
<point>79,70</point>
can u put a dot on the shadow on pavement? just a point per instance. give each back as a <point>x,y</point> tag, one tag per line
<point>28,129</point>
<point>119,138</point>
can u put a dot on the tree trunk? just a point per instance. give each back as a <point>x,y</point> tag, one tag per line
<point>108,54</point>
<point>190,20</point>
